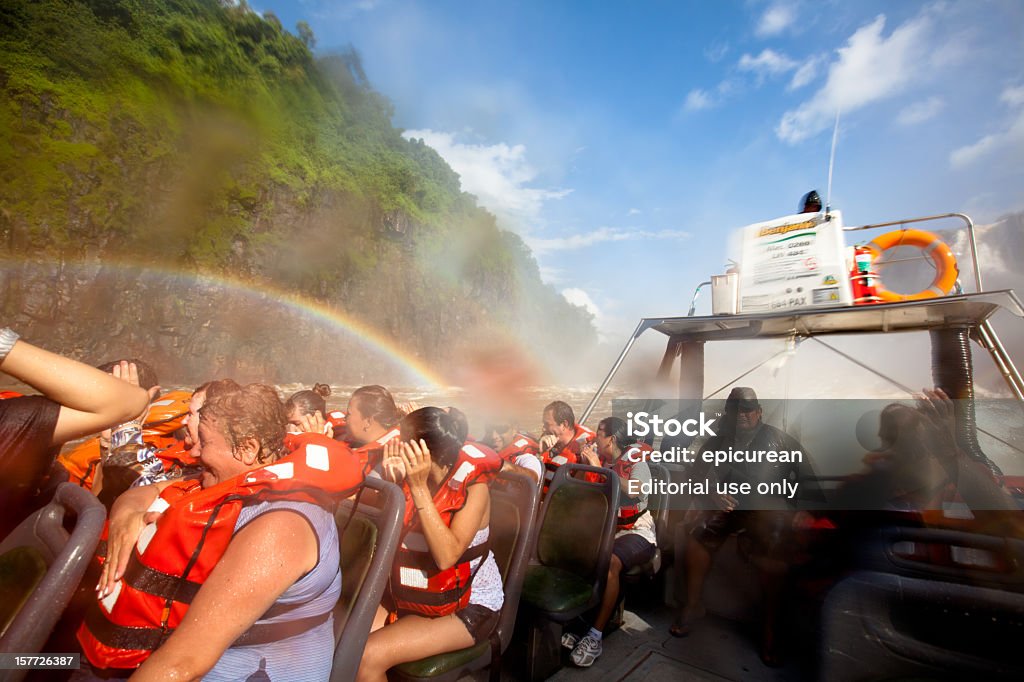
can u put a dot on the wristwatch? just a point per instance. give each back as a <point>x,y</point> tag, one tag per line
<point>8,338</point>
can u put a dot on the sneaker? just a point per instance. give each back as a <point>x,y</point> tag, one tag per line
<point>569,640</point>
<point>586,652</point>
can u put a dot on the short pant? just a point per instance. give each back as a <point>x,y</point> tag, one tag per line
<point>765,533</point>
<point>633,550</point>
<point>480,621</point>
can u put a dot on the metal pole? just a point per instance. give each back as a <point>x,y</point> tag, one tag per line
<point>1003,360</point>
<point>640,329</point>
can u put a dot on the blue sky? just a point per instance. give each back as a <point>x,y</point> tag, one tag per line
<point>626,140</point>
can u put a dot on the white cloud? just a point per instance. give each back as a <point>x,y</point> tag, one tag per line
<point>550,274</point>
<point>805,73</point>
<point>919,112</point>
<point>634,211</point>
<point>772,64</point>
<point>608,328</point>
<point>869,67</point>
<point>497,174</point>
<point>582,299</point>
<point>543,245</point>
<point>697,100</point>
<point>768,63</point>
<point>1013,95</point>
<point>775,20</point>
<point>1009,141</point>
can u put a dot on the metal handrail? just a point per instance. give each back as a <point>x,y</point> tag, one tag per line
<point>970,232</point>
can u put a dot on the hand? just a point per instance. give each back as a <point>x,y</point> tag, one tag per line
<point>408,407</point>
<point>392,464</point>
<point>588,453</point>
<point>939,414</point>
<point>129,372</point>
<point>416,457</point>
<point>122,534</point>
<point>315,423</point>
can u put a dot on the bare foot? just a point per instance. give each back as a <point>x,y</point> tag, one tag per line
<point>685,619</point>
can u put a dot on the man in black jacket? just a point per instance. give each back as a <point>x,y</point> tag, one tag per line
<point>766,520</point>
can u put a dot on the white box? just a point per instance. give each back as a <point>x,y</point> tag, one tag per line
<point>794,262</point>
<point>725,294</point>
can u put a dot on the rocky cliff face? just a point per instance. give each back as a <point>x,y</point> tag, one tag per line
<point>199,142</point>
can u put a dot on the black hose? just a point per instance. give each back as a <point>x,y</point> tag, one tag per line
<point>952,371</point>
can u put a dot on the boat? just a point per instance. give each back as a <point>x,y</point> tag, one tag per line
<point>937,594</point>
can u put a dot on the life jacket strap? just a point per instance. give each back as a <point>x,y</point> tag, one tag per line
<point>158,583</point>
<point>150,639</point>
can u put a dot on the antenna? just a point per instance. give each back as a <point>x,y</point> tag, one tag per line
<point>831,164</point>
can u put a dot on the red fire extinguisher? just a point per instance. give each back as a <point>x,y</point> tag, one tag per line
<point>862,278</point>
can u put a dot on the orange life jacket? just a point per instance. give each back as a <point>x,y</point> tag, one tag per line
<point>417,585</point>
<point>338,420</point>
<point>629,512</point>
<point>174,556</point>
<point>371,453</point>
<point>165,416</point>
<point>520,445</point>
<point>569,453</point>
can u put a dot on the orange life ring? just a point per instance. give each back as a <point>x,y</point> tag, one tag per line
<point>946,268</point>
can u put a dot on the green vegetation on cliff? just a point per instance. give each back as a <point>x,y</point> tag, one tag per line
<point>203,136</point>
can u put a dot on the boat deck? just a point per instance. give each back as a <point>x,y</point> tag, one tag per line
<point>642,649</point>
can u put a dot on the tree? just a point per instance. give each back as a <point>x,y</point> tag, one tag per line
<point>306,34</point>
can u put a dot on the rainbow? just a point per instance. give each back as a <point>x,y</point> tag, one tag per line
<point>289,300</point>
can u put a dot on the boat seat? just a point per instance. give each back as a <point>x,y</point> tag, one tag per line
<point>574,543</point>
<point>369,525</point>
<point>41,565</point>
<point>514,499</point>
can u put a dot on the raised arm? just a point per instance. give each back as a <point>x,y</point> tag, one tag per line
<point>91,400</point>
<point>446,543</point>
<point>263,560</point>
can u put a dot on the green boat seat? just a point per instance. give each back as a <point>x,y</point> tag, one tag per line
<point>514,499</point>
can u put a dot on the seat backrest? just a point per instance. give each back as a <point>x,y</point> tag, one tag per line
<point>578,521</point>
<point>514,499</point>
<point>369,534</point>
<point>659,507</point>
<point>41,541</point>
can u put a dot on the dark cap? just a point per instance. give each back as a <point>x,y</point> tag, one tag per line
<point>743,398</point>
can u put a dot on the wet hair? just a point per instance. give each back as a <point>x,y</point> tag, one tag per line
<point>376,403</point>
<point>217,388</point>
<point>562,413</point>
<point>253,411</point>
<point>147,375</point>
<point>309,401</point>
<point>617,429</point>
<point>437,429</point>
<point>461,422</point>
